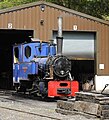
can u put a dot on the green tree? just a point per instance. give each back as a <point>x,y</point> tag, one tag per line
<point>97,8</point>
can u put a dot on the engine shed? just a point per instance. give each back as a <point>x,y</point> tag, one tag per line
<point>85,39</point>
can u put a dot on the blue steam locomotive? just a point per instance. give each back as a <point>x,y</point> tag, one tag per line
<point>37,69</point>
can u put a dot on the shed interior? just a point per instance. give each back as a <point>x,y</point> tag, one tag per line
<point>7,39</point>
<point>82,70</point>
<point>79,47</point>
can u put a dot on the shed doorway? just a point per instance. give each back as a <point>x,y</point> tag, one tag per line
<point>7,39</point>
<point>79,47</point>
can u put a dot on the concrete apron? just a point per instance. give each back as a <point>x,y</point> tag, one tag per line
<point>100,82</point>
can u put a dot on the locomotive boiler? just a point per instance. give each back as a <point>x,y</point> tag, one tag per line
<point>40,70</point>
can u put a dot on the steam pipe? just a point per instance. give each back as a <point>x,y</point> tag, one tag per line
<point>59,38</point>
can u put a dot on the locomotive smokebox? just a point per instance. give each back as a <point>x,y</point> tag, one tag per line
<point>59,38</point>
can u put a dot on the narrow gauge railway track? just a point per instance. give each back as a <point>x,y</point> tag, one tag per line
<point>20,98</point>
<point>40,115</point>
<point>29,96</point>
<point>8,95</point>
<point>26,95</point>
<point>15,94</point>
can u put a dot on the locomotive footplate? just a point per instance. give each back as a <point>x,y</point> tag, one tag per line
<point>65,91</point>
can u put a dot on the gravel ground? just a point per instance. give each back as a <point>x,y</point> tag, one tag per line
<point>11,109</point>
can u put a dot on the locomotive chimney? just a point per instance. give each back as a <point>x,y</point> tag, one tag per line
<point>59,38</point>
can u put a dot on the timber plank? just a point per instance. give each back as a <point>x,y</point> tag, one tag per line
<point>105,113</point>
<point>87,107</point>
<point>65,105</point>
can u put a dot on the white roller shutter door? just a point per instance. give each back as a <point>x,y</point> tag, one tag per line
<point>77,44</point>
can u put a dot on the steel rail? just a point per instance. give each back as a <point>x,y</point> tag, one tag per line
<point>40,115</point>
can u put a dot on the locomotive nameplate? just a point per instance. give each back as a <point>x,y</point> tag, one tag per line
<point>24,69</point>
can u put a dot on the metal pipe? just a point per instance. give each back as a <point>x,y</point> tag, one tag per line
<point>60,26</point>
<point>59,38</point>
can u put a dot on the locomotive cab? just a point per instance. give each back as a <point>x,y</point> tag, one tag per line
<point>22,67</point>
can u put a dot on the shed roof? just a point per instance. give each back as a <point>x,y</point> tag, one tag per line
<point>54,6</point>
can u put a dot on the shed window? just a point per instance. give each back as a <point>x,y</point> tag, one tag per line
<point>16,55</point>
<point>27,51</point>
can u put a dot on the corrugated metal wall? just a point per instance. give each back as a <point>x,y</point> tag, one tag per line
<point>30,18</point>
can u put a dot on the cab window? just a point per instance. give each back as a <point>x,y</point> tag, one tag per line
<point>27,51</point>
<point>16,54</point>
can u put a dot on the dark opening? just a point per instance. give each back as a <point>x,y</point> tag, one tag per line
<point>16,52</point>
<point>81,70</point>
<point>7,39</point>
<point>63,84</point>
